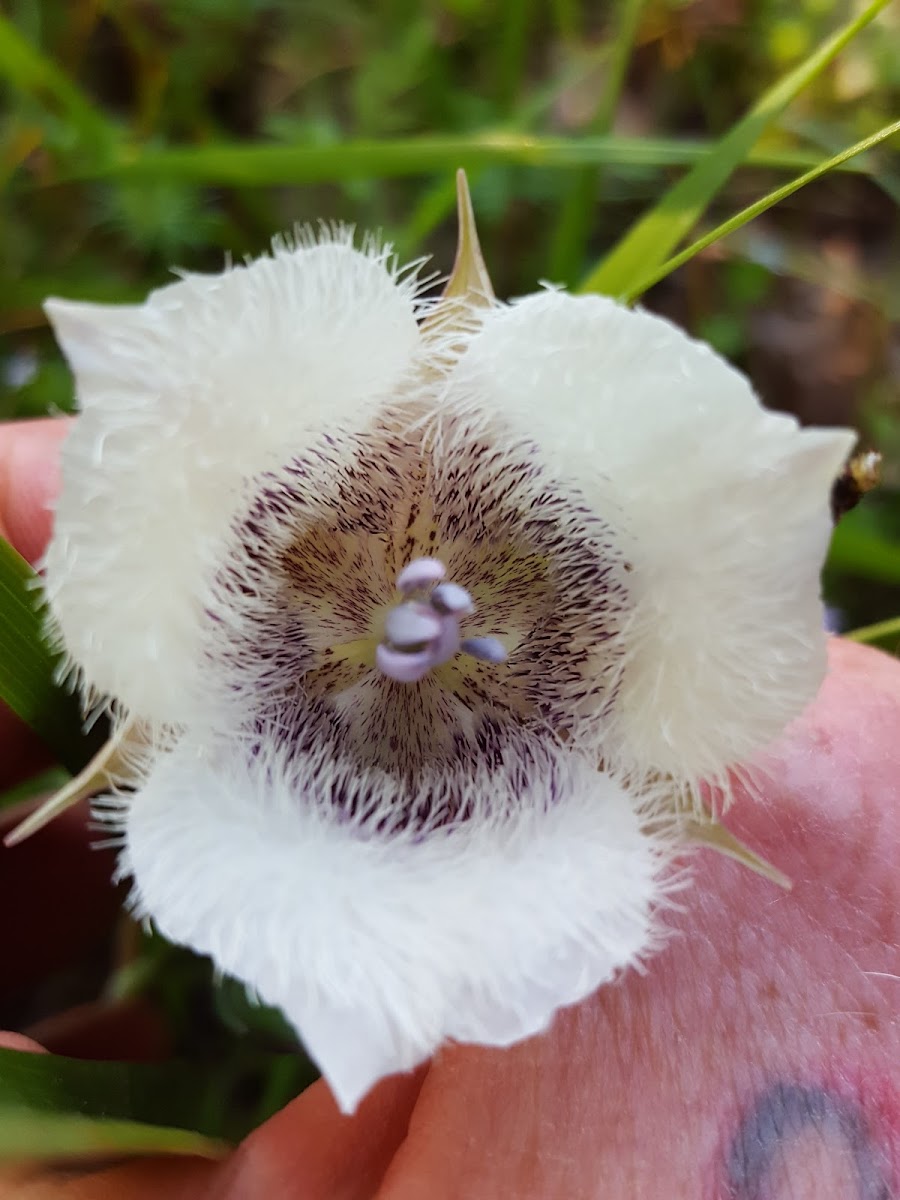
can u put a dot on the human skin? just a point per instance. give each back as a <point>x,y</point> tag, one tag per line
<point>756,1057</point>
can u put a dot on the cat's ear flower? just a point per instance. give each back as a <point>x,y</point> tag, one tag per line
<point>430,617</point>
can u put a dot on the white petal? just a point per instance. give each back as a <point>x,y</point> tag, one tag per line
<point>721,508</point>
<point>213,380</point>
<point>379,947</point>
<point>103,346</point>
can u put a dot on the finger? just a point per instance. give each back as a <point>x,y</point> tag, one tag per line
<point>311,1151</point>
<point>757,1055</point>
<point>18,1041</point>
<point>29,481</point>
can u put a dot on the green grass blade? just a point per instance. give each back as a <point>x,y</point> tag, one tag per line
<point>27,1136</point>
<point>169,1107</point>
<point>885,635</point>
<point>28,666</point>
<point>885,173</point>
<point>29,71</point>
<point>862,545</point>
<point>69,1107</point>
<point>240,164</point>
<point>760,206</point>
<point>580,203</point>
<point>512,49</point>
<point>650,241</point>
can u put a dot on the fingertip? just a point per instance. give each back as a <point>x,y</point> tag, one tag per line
<point>312,1147</point>
<point>29,481</point>
<point>18,1041</point>
<point>836,767</point>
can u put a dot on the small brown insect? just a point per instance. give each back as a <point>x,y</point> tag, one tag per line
<point>861,474</point>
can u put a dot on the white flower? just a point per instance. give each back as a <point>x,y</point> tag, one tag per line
<point>425,622</point>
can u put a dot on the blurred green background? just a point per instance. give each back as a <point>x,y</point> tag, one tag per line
<point>128,146</point>
<point>806,299</point>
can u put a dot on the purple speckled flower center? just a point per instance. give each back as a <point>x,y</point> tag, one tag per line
<point>409,609</point>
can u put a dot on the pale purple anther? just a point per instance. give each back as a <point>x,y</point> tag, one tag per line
<point>451,598</point>
<point>488,649</point>
<point>402,666</point>
<point>447,645</point>
<point>421,573</point>
<point>424,633</point>
<point>412,625</point>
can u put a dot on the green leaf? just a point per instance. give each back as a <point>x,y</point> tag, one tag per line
<point>157,1105</point>
<point>649,242</point>
<point>580,203</point>
<point>242,1014</point>
<point>30,1136</point>
<point>513,46</point>
<point>861,545</point>
<point>240,164</point>
<point>760,206</point>
<point>885,634</point>
<point>28,667</point>
<point>33,73</point>
<point>166,1094</point>
<point>66,1108</point>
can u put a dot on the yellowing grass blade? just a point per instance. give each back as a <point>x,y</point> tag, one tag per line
<point>655,235</point>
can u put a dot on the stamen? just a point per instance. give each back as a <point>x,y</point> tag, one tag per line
<point>451,598</point>
<point>423,633</point>
<point>405,668</point>
<point>421,573</point>
<point>411,626</point>
<point>487,649</point>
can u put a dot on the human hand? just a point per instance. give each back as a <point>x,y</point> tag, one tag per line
<point>756,1058</point>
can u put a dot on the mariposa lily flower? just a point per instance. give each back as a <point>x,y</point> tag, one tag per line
<point>426,612</point>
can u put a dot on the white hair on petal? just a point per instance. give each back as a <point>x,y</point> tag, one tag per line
<point>310,574</point>
<point>722,506</point>
<point>183,399</point>
<point>476,932</point>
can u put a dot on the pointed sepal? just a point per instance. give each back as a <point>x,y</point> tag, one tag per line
<point>469,279</point>
<point>706,831</point>
<point>112,766</point>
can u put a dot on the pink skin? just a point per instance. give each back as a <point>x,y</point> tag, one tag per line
<point>640,1091</point>
<point>29,478</point>
<point>643,1086</point>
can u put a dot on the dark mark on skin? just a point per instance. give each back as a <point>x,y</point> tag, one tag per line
<point>786,1111</point>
